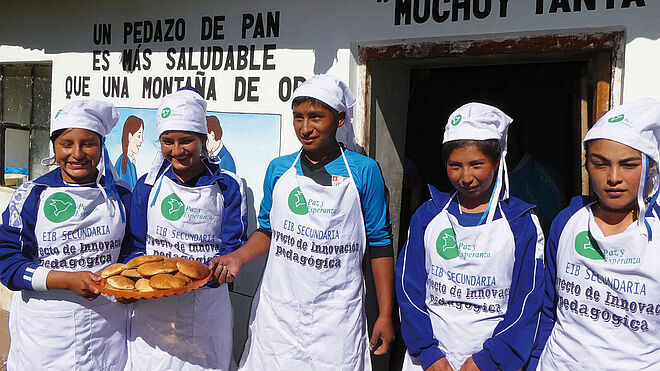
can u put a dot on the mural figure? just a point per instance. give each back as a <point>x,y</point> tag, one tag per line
<point>131,141</point>
<point>217,151</point>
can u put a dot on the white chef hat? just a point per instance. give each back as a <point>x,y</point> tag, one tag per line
<point>100,117</point>
<point>336,94</point>
<point>636,125</point>
<point>95,115</point>
<point>183,110</point>
<point>478,121</point>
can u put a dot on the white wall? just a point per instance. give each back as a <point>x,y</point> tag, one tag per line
<point>314,37</point>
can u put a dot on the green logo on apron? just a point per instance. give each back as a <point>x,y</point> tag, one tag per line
<point>456,120</point>
<point>616,118</point>
<point>172,207</point>
<point>586,246</point>
<point>446,244</point>
<point>59,207</point>
<point>165,113</point>
<point>297,202</point>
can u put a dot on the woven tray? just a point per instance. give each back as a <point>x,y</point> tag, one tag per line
<point>155,294</point>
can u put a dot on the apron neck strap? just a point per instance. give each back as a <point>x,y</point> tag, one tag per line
<point>343,155</point>
<point>160,183</point>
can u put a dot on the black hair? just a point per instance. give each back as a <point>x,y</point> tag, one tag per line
<point>489,147</point>
<point>56,134</point>
<point>59,132</point>
<point>587,147</point>
<point>202,137</point>
<point>314,101</point>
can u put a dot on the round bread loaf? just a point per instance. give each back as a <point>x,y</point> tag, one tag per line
<point>142,285</point>
<point>183,276</point>
<point>154,268</point>
<point>113,269</point>
<point>137,261</point>
<point>131,273</point>
<point>120,282</point>
<point>166,281</point>
<point>175,259</point>
<point>193,269</point>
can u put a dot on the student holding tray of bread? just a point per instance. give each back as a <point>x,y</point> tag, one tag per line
<point>185,206</point>
<point>57,230</point>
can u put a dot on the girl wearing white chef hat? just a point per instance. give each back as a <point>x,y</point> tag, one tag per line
<point>468,280</point>
<point>49,248</point>
<point>602,281</point>
<point>186,206</point>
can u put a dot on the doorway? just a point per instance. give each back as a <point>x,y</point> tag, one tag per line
<point>553,86</point>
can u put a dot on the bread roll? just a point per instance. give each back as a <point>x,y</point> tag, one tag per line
<point>166,281</point>
<point>113,269</point>
<point>137,261</point>
<point>193,269</point>
<point>154,268</point>
<point>121,282</point>
<point>183,276</point>
<point>142,285</point>
<point>131,273</point>
<point>175,259</point>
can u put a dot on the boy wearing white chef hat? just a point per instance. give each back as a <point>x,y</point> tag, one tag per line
<point>186,206</point>
<point>331,201</point>
<point>45,240</point>
<point>608,245</point>
<point>473,259</point>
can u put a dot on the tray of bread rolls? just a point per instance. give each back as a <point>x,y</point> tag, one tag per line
<point>153,276</point>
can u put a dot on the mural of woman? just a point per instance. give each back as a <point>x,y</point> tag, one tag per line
<point>131,140</point>
<point>217,150</point>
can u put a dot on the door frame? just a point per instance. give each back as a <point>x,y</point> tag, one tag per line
<point>486,50</point>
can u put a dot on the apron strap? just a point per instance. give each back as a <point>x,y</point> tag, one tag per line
<point>160,183</point>
<point>348,168</point>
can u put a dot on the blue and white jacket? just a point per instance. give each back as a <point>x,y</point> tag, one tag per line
<point>508,350</point>
<point>549,313</point>
<point>234,221</point>
<point>19,250</point>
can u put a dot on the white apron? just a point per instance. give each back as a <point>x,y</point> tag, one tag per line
<point>190,331</point>
<point>469,273</point>
<point>308,313</point>
<point>57,329</point>
<point>608,299</point>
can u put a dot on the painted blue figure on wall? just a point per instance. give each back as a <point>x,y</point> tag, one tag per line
<point>217,150</point>
<point>131,141</point>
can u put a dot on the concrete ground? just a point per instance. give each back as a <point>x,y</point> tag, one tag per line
<point>4,339</point>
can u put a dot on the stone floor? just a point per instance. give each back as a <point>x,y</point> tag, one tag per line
<point>4,339</point>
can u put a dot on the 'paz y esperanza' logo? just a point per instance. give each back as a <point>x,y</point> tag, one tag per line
<point>59,207</point>
<point>297,202</point>
<point>586,246</point>
<point>616,118</point>
<point>172,207</point>
<point>165,113</point>
<point>446,244</point>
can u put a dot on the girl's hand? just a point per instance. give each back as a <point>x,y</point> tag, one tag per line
<point>440,365</point>
<point>82,283</point>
